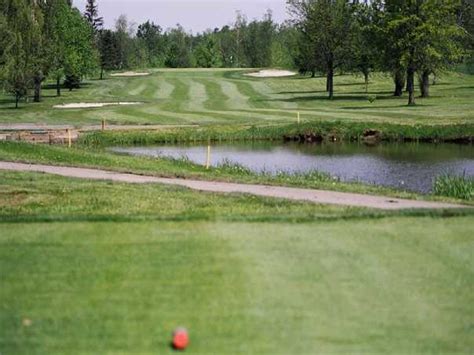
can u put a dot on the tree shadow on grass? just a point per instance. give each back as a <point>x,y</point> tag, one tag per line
<point>45,97</point>
<point>53,86</point>
<point>301,92</point>
<point>380,94</point>
<point>383,107</point>
<point>460,87</point>
<point>12,107</point>
<point>326,98</point>
<point>7,101</point>
<point>442,84</point>
<point>349,84</point>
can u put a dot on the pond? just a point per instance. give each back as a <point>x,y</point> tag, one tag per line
<point>408,166</point>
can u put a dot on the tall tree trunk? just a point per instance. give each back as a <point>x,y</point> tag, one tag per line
<point>17,99</point>
<point>58,86</point>
<point>38,79</point>
<point>330,81</point>
<point>101,73</point>
<point>411,86</point>
<point>313,73</point>
<point>366,80</point>
<point>425,84</point>
<point>399,79</point>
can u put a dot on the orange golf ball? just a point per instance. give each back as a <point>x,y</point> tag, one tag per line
<point>180,339</point>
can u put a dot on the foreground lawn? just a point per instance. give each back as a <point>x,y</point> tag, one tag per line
<point>227,97</point>
<point>395,285</point>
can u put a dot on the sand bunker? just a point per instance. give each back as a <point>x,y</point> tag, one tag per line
<point>271,73</point>
<point>96,104</point>
<point>130,73</point>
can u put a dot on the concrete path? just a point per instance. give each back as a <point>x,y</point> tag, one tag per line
<point>290,193</point>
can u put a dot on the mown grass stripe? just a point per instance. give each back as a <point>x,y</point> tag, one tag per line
<point>197,95</point>
<point>164,90</point>
<point>236,99</point>
<point>216,99</point>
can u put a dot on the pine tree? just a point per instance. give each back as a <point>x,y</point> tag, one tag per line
<point>92,15</point>
<point>108,51</point>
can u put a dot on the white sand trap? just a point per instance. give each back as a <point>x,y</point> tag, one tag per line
<point>130,73</point>
<point>95,104</point>
<point>271,73</point>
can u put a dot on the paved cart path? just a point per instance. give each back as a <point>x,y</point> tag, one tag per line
<point>290,193</point>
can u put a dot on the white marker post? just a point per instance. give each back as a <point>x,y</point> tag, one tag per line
<point>299,120</point>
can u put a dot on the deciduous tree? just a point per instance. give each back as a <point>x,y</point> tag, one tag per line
<point>327,27</point>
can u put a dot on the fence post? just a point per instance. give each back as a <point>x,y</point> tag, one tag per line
<point>69,138</point>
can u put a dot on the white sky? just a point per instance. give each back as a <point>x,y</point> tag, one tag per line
<point>193,15</point>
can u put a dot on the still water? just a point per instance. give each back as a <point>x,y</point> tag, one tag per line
<point>405,165</point>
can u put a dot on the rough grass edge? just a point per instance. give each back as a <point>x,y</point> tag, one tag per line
<point>460,187</point>
<point>370,133</point>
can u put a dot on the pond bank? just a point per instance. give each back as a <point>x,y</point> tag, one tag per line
<point>112,134</point>
<point>370,133</point>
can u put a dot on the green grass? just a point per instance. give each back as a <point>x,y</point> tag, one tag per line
<point>223,97</point>
<point>396,285</point>
<point>28,197</point>
<point>461,187</point>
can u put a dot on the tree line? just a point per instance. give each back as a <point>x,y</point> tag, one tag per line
<point>409,39</point>
<point>406,38</point>
<point>256,43</point>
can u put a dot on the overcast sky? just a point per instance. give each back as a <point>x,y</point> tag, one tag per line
<point>193,15</point>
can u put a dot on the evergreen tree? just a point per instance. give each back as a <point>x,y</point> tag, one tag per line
<point>92,15</point>
<point>108,49</point>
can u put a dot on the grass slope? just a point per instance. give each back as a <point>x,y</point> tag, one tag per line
<point>37,197</point>
<point>396,285</point>
<point>228,97</point>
